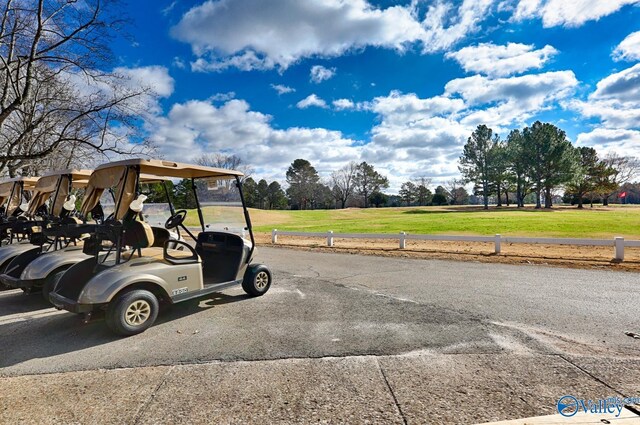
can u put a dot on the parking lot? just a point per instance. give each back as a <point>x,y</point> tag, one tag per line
<point>338,337</point>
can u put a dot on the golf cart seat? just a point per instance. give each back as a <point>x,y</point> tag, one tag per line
<point>160,236</point>
<point>141,237</point>
<point>138,235</point>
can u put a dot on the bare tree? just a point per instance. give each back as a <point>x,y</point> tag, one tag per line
<point>229,162</point>
<point>625,168</point>
<point>455,195</point>
<point>343,183</point>
<point>54,97</point>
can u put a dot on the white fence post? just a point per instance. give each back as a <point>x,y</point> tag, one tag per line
<point>619,248</point>
<point>403,240</point>
<point>274,236</point>
<point>498,247</point>
<point>330,238</point>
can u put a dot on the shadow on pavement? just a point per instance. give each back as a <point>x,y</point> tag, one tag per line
<point>15,301</point>
<point>52,332</point>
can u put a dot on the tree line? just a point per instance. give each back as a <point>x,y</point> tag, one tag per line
<point>539,159</point>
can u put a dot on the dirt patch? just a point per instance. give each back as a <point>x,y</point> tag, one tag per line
<point>587,257</point>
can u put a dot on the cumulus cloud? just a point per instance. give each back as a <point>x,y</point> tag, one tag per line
<point>412,136</point>
<point>608,140</point>
<point>622,86</point>
<point>224,34</point>
<point>282,89</point>
<point>531,90</point>
<point>319,73</point>
<point>616,100</point>
<point>342,104</point>
<point>155,77</point>
<point>566,13</point>
<point>501,61</point>
<point>629,48</point>
<point>417,136</point>
<point>311,100</point>
<point>197,127</point>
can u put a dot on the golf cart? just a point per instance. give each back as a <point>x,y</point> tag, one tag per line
<point>128,281</point>
<point>13,193</point>
<point>63,243</point>
<point>15,227</point>
<point>56,189</point>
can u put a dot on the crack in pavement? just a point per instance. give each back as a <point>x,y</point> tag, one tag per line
<point>393,394</point>
<point>143,408</point>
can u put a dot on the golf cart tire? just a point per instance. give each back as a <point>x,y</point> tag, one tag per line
<point>257,280</point>
<point>50,283</point>
<point>117,309</point>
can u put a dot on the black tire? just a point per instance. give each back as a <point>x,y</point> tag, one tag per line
<point>50,284</point>
<point>121,313</point>
<point>257,280</point>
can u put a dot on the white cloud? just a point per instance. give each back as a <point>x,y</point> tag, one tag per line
<point>178,63</point>
<point>342,104</point>
<point>197,127</point>
<point>529,90</point>
<point>447,23</point>
<point>412,136</point>
<point>418,136</point>
<point>607,140</point>
<point>155,77</point>
<point>311,100</point>
<point>629,48</point>
<point>222,97</point>
<point>616,100</point>
<point>282,89</point>
<point>254,34</point>
<point>319,73</point>
<point>568,13</point>
<point>167,10</point>
<point>616,103</point>
<point>500,61</point>
<point>622,86</point>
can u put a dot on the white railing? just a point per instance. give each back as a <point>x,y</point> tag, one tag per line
<point>618,242</point>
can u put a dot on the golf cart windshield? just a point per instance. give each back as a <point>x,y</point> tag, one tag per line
<point>156,214</point>
<point>222,205</point>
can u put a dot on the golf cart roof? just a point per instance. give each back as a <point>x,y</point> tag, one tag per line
<point>7,184</point>
<point>159,167</point>
<point>75,174</point>
<point>28,182</point>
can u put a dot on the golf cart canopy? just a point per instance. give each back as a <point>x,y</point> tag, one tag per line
<point>57,182</point>
<point>158,167</point>
<point>12,189</point>
<point>116,174</point>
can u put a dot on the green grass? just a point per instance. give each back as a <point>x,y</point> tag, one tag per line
<point>558,222</point>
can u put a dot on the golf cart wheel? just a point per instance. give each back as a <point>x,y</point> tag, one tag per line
<point>132,312</point>
<point>257,280</point>
<point>50,284</point>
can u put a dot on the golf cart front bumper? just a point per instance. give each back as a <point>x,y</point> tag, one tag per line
<point>63,303</point>
<point>15,282</point>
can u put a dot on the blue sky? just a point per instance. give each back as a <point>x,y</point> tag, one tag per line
<point>400,84</point>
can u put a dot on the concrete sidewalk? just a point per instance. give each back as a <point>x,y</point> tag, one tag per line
<point>411,388</point>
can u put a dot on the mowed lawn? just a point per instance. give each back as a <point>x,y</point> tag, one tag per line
<point>559,222</point>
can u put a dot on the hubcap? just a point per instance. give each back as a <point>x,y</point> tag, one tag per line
<point>262,279</point>
<point>137,313</point>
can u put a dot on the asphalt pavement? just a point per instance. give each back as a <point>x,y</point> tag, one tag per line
<point>388,339</point>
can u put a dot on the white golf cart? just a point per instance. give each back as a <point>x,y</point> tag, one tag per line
<point>141,269</point>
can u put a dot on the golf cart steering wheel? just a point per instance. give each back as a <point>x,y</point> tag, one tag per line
<point>176,219</point>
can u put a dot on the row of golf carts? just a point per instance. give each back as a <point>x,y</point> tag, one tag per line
<point>123,249</point>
